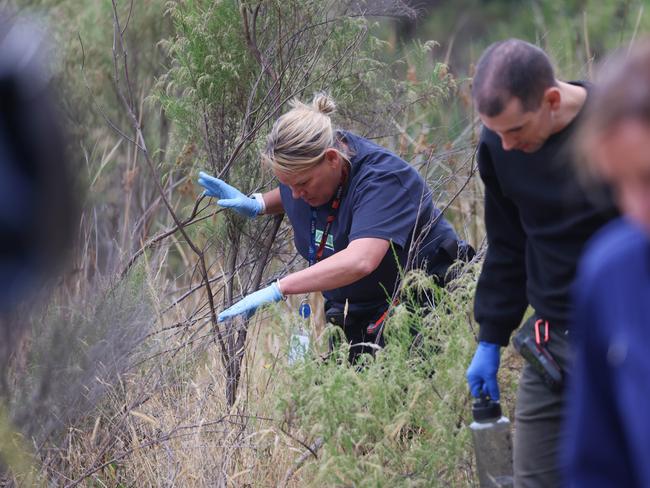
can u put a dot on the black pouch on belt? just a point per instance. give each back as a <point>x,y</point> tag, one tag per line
<point>530,341</point>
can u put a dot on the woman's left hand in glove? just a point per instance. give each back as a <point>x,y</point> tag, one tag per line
<point>250,303</point>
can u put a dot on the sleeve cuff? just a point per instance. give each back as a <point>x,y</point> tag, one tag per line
<point>260,200</point>
<point>494,335</point>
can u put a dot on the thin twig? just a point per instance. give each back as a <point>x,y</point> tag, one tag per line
<point>312,450</point>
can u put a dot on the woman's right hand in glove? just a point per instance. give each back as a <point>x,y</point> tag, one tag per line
<point>229,196</point>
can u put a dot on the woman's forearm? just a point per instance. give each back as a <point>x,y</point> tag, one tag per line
<point>273,202</point>
<point>359,259</point>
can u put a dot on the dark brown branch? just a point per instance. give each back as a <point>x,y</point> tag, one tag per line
<point>163,235</point>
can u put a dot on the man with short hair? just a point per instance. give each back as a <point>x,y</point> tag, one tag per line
<point>538,218</point>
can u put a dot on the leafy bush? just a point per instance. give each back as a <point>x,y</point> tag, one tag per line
<point>399,419</point>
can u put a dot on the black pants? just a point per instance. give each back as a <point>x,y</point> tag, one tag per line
<point>355,325</point>
<point>355,328</point>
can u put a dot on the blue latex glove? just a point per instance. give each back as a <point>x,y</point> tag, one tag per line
<point>229,196</point>
<point>249,303</point>
<point>482,371</point>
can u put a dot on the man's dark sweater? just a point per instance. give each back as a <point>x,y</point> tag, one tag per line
<point>538,217</point>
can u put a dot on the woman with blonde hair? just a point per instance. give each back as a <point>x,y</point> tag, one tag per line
<point>356,210</point>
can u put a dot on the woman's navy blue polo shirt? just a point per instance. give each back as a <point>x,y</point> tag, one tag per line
<point>385,198</point>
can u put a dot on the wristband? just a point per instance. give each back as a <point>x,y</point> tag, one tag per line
<point>259,199</point>
<point>277,283</point>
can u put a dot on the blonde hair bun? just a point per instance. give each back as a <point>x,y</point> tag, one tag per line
<point>323,103</point>
<point>300,137</point>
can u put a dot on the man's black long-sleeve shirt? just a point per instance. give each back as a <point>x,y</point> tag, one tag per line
<point>538,216</point>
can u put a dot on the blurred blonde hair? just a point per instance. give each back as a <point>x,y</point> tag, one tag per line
<point>298,140</point>
<point>621,93</point>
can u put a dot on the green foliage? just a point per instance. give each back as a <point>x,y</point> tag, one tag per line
<point>226,87</point>
<point>575,33</point>
<point>211,68</point>
<point>564,28</point>
<point>82,39</point>
<point>115,183</point>
<point>398,420</point>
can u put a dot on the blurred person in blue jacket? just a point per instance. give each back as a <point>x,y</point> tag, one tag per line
<point>38,208</point>
<point>608,426</point>
<point>37,204</point>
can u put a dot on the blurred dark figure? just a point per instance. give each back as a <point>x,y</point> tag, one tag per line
<point>38,212</point>
<point>608,426</point>
<point>406,26</point>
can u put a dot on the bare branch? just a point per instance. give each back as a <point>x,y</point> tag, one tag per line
<point>118,48</point>
<point>312,450</point>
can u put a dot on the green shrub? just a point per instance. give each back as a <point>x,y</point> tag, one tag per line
<point>399,420</point>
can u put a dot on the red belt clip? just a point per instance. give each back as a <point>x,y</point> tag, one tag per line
<point>538,339</point>
<point>374,327</point>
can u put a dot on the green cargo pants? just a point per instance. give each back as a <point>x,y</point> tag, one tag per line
<point>538,420</point>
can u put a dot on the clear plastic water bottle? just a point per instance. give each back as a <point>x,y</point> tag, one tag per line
<point>299,344</point>
<point>492,444</point>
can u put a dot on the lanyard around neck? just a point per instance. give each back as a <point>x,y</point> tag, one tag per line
<point>316,254</point>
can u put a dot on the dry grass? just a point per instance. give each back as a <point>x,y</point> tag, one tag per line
<point>167,422</point>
